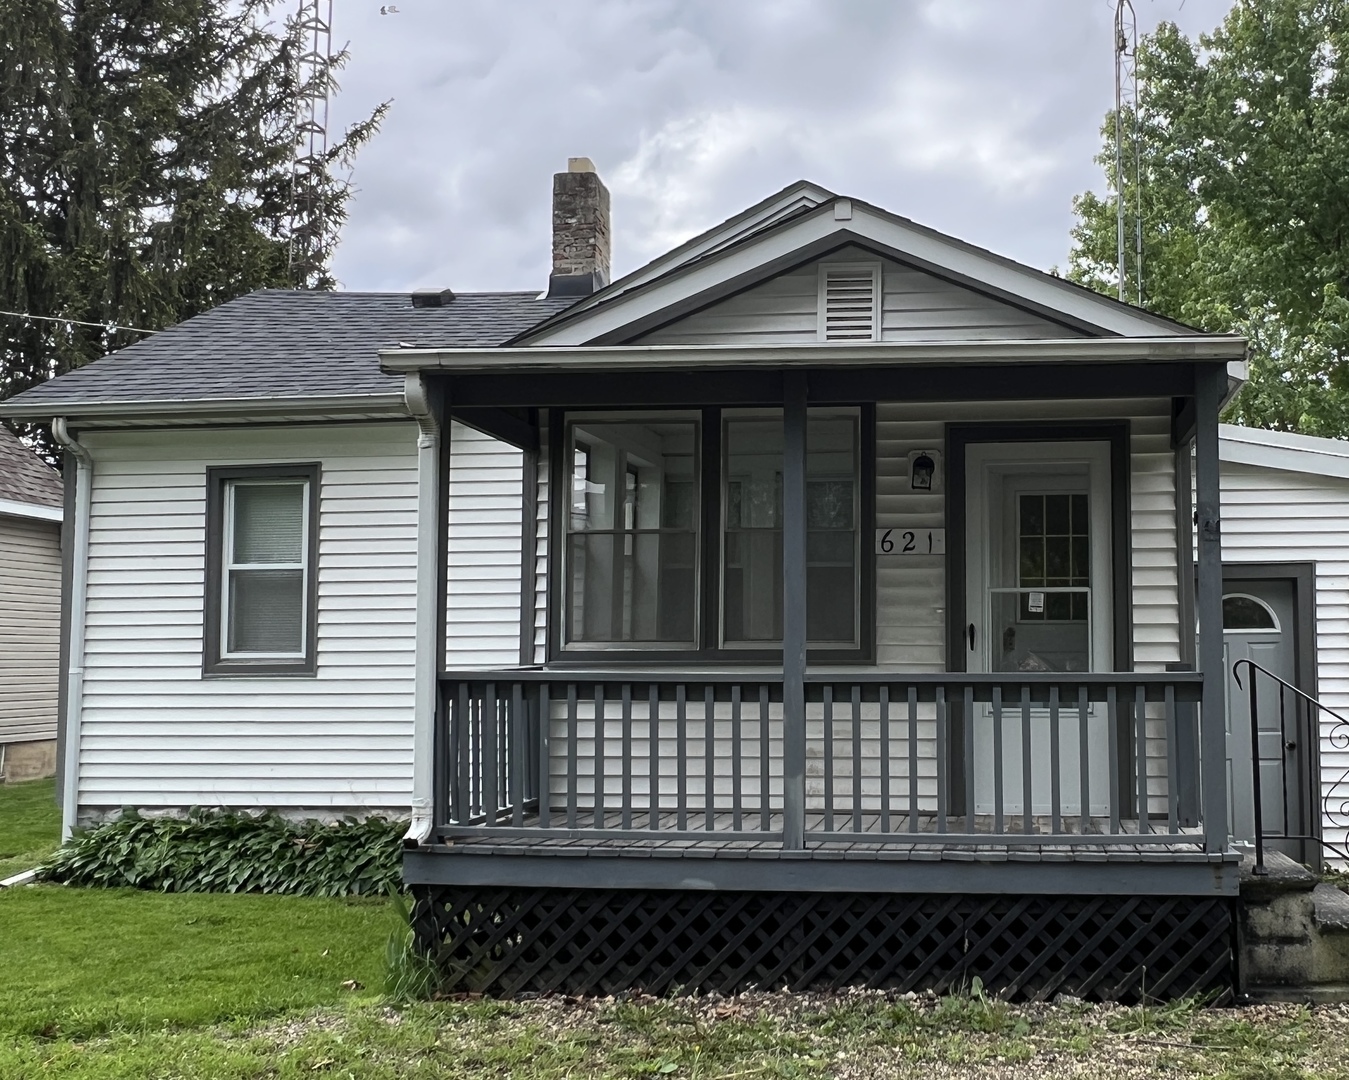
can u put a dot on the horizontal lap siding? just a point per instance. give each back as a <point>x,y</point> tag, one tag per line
<point>30,628</point>
<point>1271,515</point>
<point>486,512</point>
<point>916,307</point>
<point>154,732</point>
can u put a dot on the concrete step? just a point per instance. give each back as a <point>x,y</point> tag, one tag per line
<point>1282,875</point>
<point>1330,909</point>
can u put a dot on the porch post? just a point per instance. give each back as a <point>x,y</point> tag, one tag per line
<point>1209,382</point>
<point>426,405</point>
<point>794,611</point>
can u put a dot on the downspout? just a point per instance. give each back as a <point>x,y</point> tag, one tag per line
<point>426,663</point>
<point>79,579</point>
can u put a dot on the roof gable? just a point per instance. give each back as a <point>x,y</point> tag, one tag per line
<point>628,310</point>
<point>913,305</point>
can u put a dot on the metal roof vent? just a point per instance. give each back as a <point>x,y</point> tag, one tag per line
<point>432,297</point>
<point>850,301</point>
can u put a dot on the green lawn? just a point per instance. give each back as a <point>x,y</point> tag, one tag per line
<point>30,825</point>
<point>105,984</point>
<point>80,962</point>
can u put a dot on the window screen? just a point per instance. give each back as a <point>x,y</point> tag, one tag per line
<point>264,610</point>
<point>260,596</point>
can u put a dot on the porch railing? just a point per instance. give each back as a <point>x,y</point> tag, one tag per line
<point>955,759</point>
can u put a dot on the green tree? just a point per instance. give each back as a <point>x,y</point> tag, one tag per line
<point>145,170</point>
<point>1243,140</point>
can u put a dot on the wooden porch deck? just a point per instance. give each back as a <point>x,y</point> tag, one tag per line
<point>723,838</point>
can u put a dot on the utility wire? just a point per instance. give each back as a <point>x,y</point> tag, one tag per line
<point>78,322</point>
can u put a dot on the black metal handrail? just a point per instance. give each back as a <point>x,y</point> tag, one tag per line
<point>1258,810</point>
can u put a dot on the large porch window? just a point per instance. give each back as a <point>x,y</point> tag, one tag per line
<point>673,531</point>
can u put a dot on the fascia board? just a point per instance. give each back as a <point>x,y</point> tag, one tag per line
<point>14,508</point>
<point>1249,446</point>
<point>1018,285</point>
<point>530,358</point>
<point>199,407</point>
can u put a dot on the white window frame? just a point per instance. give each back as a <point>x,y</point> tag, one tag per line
<point>229,566</point>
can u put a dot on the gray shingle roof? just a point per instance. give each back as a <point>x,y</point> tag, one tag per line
<point>287,343</point>
<point>25,477</point>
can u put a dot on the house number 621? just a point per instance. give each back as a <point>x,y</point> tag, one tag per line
<point>910,541</point>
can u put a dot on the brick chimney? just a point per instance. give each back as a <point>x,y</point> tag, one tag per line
<point>580,231</point>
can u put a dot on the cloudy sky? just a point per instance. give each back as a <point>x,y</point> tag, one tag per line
<point>977,117</point>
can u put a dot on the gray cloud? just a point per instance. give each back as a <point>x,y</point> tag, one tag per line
<point>977,117</point>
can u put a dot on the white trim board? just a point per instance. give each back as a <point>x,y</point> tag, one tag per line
<point>1283,450</point>
<point>14,508</point>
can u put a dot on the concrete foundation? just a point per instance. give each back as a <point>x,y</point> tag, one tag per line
<point>27,761</point>
<point>1294,934</point>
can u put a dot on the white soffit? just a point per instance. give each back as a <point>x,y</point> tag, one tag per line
<point>1283,450</point>
<point>738,266</point>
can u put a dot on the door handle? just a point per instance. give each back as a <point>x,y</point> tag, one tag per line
<point>971,636</point>
<point>1290,746</point>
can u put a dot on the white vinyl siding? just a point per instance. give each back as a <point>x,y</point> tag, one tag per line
<point>154,732</point>
<point>485,559</point>
<point>1279,516</point>
<point>915,306</point>
<point>30,628</point>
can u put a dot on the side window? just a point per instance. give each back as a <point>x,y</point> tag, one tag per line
<point>261,528</point>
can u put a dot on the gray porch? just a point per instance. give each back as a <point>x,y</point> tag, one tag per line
<point>724,776</point>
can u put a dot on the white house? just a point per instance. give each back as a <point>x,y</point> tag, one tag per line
<point>1285,508</point>
<point>815,604</point>
<point>30,611</point>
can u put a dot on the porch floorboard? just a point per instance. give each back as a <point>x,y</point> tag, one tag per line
<point>901,843</point>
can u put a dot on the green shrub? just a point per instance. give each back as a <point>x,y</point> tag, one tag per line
<point>223,851</point>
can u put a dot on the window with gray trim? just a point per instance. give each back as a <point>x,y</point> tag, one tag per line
<point>262,542</point>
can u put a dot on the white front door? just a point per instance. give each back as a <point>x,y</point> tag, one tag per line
<point>1038,599</point>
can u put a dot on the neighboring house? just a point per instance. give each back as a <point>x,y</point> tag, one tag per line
<point>811,605</point>
<point>30,611</point>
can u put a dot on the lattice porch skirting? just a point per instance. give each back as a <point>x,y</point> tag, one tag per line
<point>601,941</point>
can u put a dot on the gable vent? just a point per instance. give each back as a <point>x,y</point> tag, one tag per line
<point>850,301</point>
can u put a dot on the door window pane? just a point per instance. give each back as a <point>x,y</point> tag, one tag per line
<point>632,547</point>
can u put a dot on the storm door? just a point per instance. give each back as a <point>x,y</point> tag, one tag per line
<point>1038,599</point>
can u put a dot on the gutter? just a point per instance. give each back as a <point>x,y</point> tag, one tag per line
<point>426,664</point>
<point>14,508</point>
<point>334,405</point>
<point>79,587</point>
<point>822,354</point>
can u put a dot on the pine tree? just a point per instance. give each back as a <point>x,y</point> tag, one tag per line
<point>145,170</point>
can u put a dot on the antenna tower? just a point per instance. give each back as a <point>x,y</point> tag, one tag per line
<point>308,225</point>
<point>1127,218</point>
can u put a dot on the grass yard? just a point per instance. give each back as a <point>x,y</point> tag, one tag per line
<point>30,825</point>
<point>102,984</point>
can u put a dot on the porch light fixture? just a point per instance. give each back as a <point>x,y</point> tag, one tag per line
<point>923,470</point>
